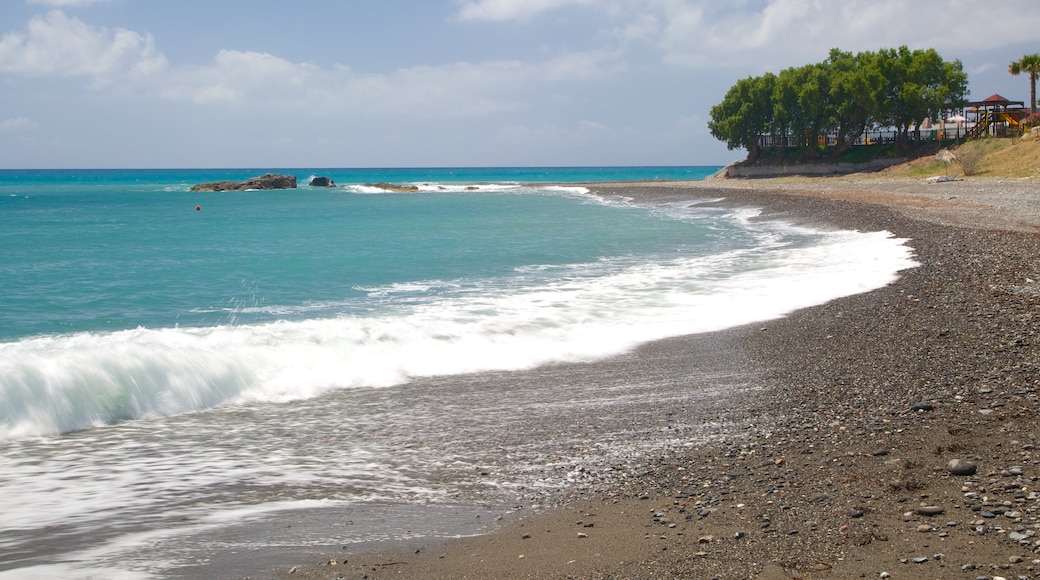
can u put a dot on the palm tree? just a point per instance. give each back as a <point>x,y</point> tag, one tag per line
<point>1029,64</point>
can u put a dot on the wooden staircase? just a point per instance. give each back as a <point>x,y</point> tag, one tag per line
<point>979,130</point>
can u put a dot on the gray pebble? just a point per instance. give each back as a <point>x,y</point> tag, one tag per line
<point>930,510</point>
<point>961,467</point>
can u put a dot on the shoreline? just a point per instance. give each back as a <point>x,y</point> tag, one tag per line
<point>858,406</point>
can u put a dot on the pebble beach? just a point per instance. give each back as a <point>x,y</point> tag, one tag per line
<point>890,434</point>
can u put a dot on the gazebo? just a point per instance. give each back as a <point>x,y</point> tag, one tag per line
<point>994,115</point>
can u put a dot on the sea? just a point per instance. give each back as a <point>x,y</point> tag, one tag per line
<point>192,381</point>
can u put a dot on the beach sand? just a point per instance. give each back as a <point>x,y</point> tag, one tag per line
<point>833,460</point>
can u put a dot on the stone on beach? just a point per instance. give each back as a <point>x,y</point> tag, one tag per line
<point>961,467</point>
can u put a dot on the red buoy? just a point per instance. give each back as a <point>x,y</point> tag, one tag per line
<point>198,208</point>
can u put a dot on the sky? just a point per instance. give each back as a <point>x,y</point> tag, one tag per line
<point>435,83</point>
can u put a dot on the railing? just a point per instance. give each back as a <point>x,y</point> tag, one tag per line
<point>981,128</point>
<point>874,137</point>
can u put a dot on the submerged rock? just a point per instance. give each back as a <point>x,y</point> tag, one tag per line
<point>394,187</point>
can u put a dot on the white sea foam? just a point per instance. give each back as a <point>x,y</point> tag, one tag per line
<point>567,189</point>
<point>62,383</point>
<point>114,559</point>
<point>143,489</point>
<point>428,187</point>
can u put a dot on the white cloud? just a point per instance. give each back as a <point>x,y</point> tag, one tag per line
<point>500,10</point>
<point>471,89</point>
<point>63,3</point>
<point>708,33</point>
<point>580,66</point>
<point>55,44</point>
<point>461,89</point>
<point>233,77</point>
<point>129,62</point>
<point>639,28</point>
<point>744,34</point>
<point>269,82</point>
<point>17,124</point>
<point>801,30</point>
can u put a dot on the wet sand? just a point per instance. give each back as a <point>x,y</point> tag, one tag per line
<point>826,452</point>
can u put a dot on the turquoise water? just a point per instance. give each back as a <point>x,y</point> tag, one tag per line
<point>168,372</point>
<point>110,250</point>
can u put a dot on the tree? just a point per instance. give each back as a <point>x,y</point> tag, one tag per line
<point>919,84</point>
<point>801,106</point>
<point>853,94</point>
<point>1029,64</point>
<point>840,97</point>
<point>744,115</point>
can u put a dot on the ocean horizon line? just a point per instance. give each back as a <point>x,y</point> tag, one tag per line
<point>357,167</point>
<point>517,175</point>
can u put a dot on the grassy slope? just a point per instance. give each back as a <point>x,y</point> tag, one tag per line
<point>999,158</point>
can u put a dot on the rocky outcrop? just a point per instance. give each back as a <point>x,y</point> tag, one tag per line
<point>266,181</point>
<point>394,187</point>
<point>322,182</point>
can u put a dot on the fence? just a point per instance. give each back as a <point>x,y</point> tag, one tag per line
<point>872,137</point>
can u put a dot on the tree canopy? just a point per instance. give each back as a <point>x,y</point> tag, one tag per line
<point>842,96</point>
<point>1029,65</point>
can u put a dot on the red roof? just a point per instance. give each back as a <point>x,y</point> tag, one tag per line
<point>995,101</point>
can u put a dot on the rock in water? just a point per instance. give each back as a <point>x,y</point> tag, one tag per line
<point>266,181</point>
<point>322,182</point>
<point>393,187</point>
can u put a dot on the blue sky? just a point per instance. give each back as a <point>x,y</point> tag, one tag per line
<point>377,83</point>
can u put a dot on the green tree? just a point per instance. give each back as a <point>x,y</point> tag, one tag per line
<point>744,115</point>
<point>1029,64</point>
<point>919,84</point>
<point>801,106</point>
<point>840,97</point>
<point>854,84</point>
